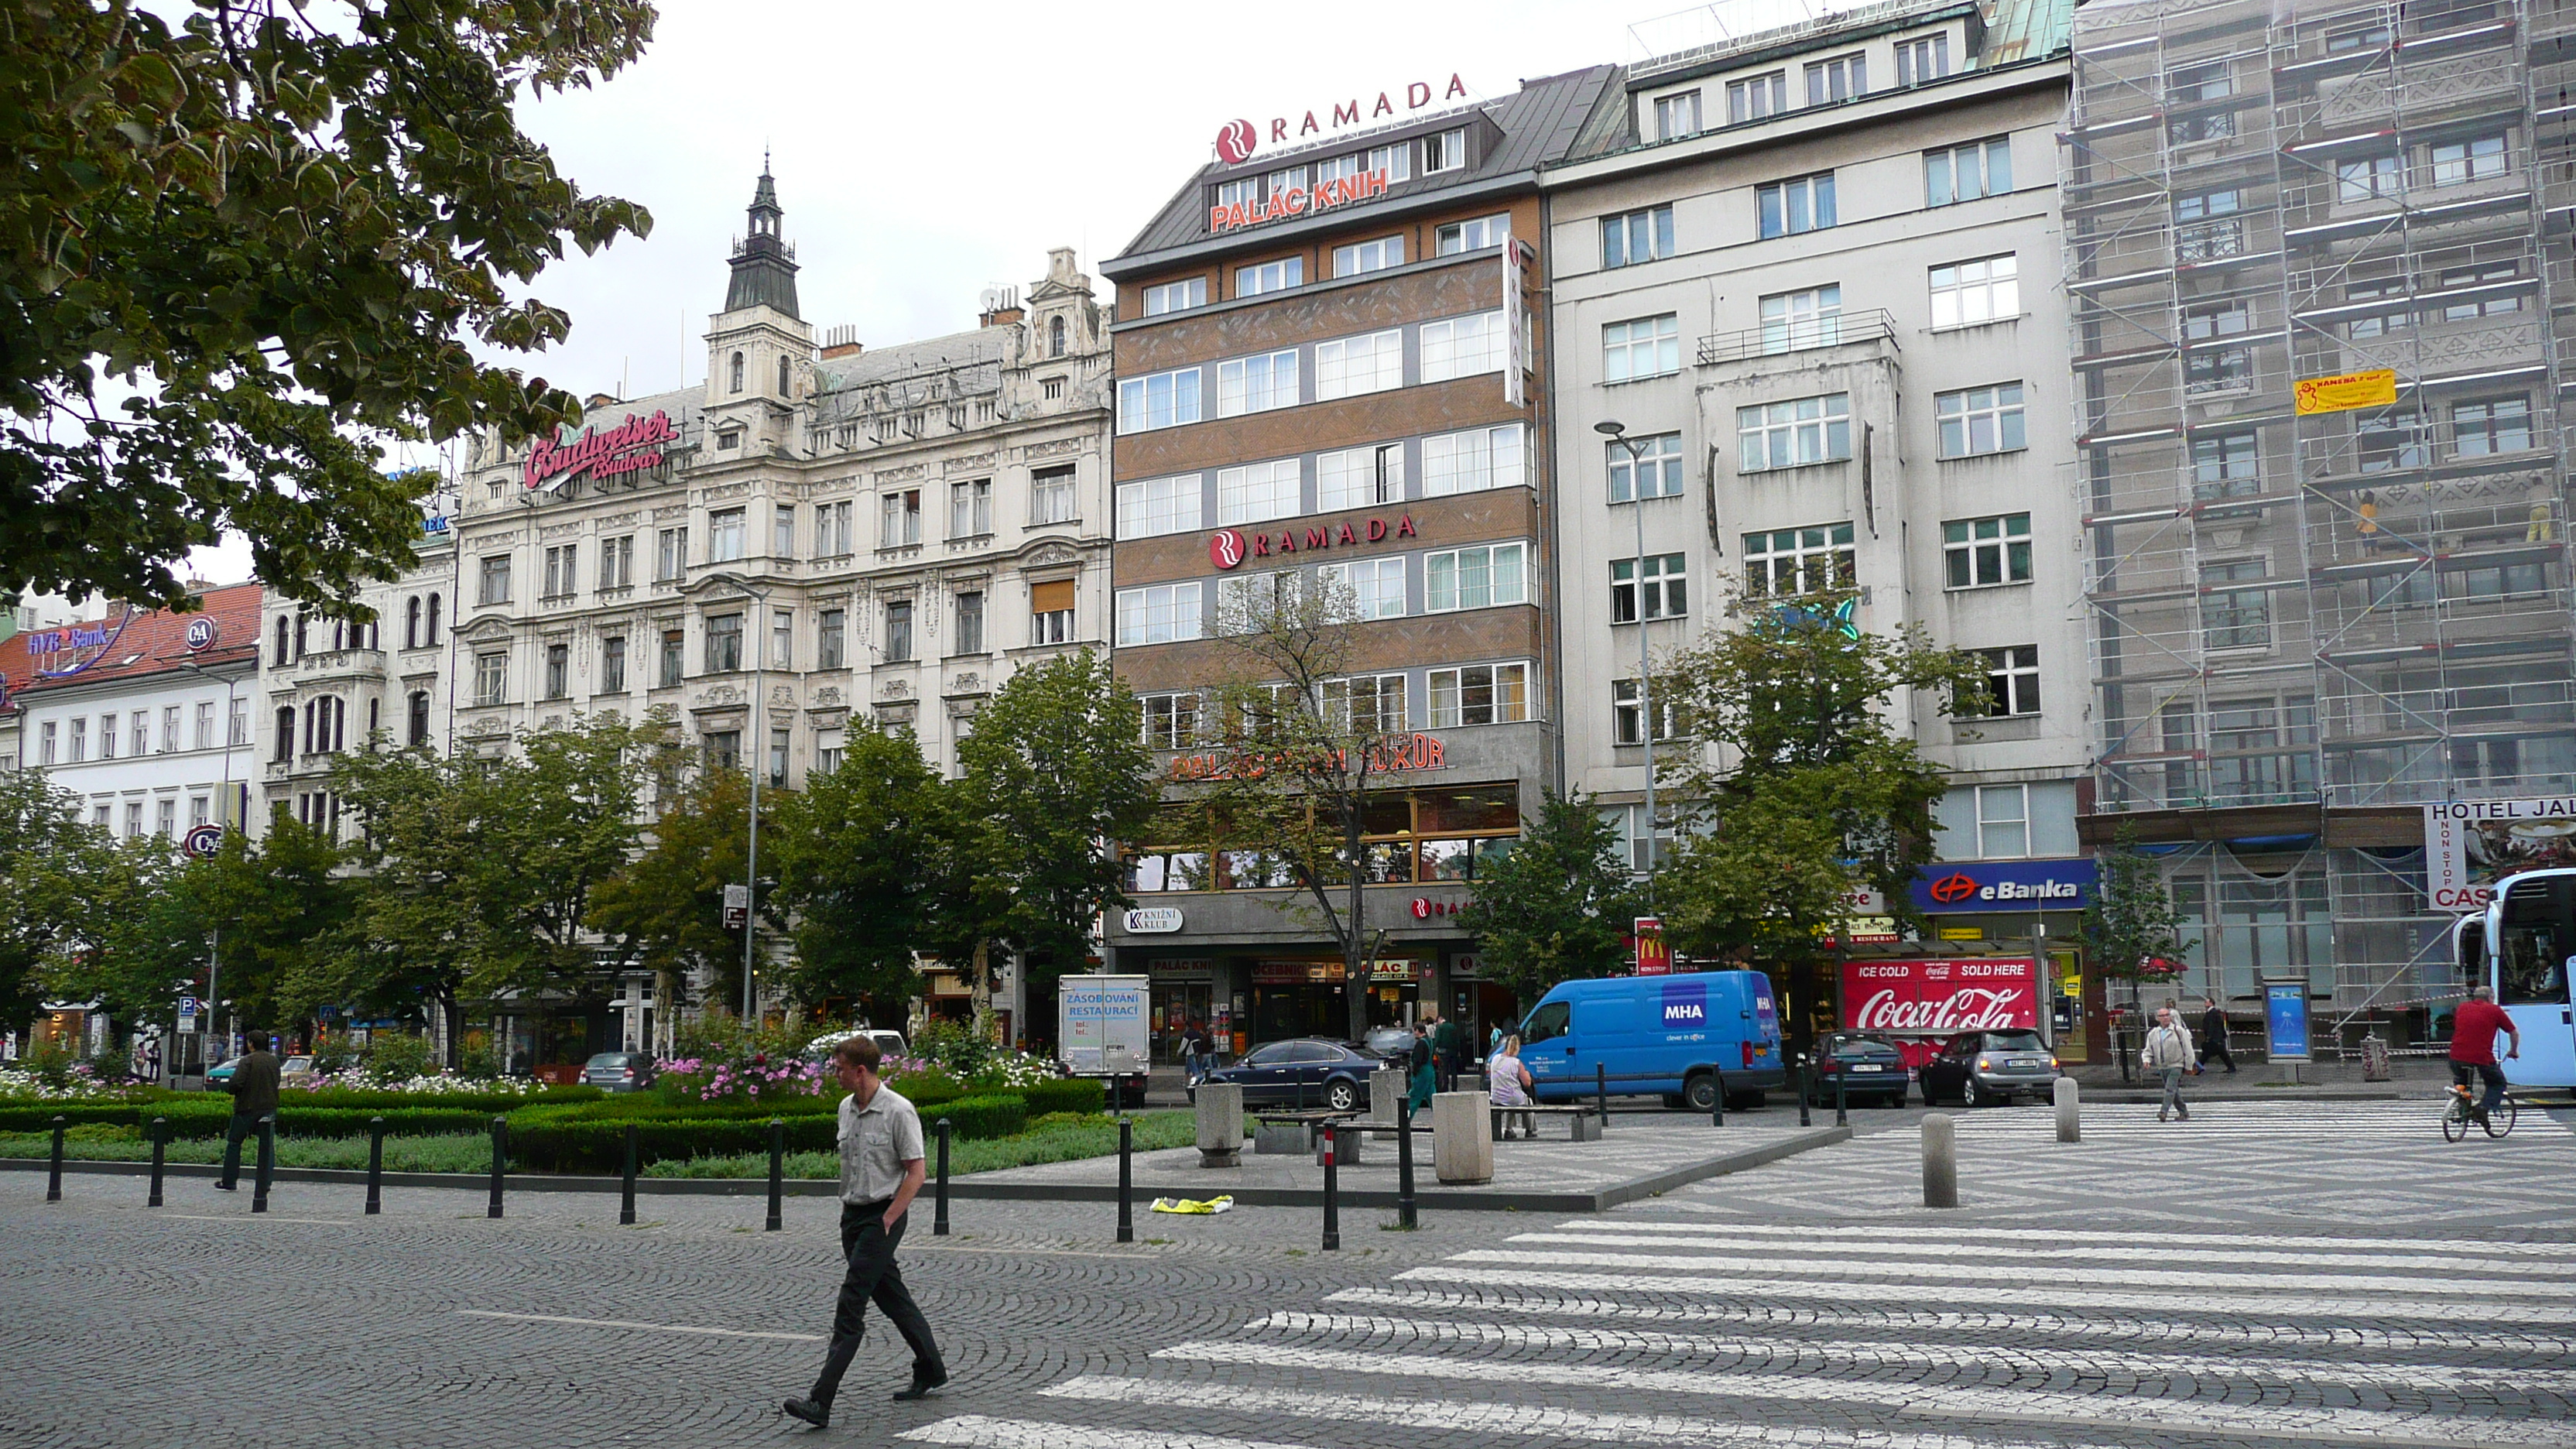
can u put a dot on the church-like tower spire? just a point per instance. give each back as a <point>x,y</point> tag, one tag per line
<point>764,265</point>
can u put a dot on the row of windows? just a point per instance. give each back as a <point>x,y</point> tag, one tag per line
<point>2210,225</point>
<point>2229,464</point>
<point>69,741</point>
<point>1343,367</point>
<point>1961,294</point>
<point>201,809</point>
<point>1451,463</point>
<point>1452,697</point>
<point>1407,836</point>
<point>1970,171</point>
<point>321,727</point>
<point>1824,82</point>
<point>1800,432</point>
<point>1350,260</point>
<point>1480,576</point>
<point>297,633</point>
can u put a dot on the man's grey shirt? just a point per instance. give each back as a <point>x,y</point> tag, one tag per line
<point>876,1141</point>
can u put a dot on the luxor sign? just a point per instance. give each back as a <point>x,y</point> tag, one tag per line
<point>629,447</point>
<point>1229,547</point>
<point>1933,999</point>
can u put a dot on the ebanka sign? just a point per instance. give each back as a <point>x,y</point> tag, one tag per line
<point>629,447</point>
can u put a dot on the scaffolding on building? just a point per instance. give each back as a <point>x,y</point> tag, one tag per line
<point>2344,609</point>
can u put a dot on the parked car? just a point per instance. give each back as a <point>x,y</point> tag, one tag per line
<point>1866,1068</point>
<point>619,1071</point>
<point>1302,1071</point>
<point>819,1050</point>
<point>295,1070</point>
<point>1395,1043</point>
<point>1981,1068</point>
<point>221,1074</point>
<point>1684,1038</point>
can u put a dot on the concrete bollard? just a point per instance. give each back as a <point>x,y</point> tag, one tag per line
<point>1386,1089</point>
<point>2070,1111</point>
<point>54,1175</point>
<point>375,1166</point>
<point>500,1162</point>
<point>160,1146</point>
<point>939,1218</point>
<point>1462,1138</point>
<point>1126,1180</point>
<point>1940,1161</point>
<point>1220,1109</point>
<point>777,1175</point>
<point>267,1168</point>
<point>626,1182</point>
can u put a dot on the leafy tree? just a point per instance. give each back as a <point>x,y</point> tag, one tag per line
<point>1053,770</point>
<point>49,857</point>
<point>2132,931</point>
<point>240,242</point>
<point>860,857</point>
<point>1559,904</point>
<point>666,906</point>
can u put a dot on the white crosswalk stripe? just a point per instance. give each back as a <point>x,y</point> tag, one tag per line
<point>1979,1273</point>
<point>2203,1258</point>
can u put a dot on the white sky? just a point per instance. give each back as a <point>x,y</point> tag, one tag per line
<point>924,153</point>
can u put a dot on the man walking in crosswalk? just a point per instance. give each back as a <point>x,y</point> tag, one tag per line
<point>2169,1051</point>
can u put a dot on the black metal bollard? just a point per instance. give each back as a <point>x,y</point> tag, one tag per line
<point>375,1165</point>
<point>1842,1111</point>
<point>500,1161</point>
<point>54,1182</point>
<point>1806,1089</point>
<point>160,1145</point>
<point>777,1173</point>
<point>1601,1091</point>
<point>939,1199</point>
<point>1332,1188</point>
<point>1405,1214</point>
<point>626,1183</point>
<point>267,1163</point>
<point>1126,1210</point>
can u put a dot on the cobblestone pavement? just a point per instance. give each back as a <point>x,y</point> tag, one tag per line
<point>1728,1314</point>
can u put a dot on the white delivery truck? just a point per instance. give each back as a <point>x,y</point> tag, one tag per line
<point>1104,1029</point>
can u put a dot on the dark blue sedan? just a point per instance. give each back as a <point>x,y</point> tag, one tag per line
<point>1303,1072</point>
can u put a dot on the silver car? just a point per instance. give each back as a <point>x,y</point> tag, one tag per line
<point>1981,1068</point>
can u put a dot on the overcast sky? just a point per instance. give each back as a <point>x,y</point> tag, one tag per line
<point>924,153</point>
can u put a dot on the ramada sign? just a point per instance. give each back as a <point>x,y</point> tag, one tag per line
<point>1237,140</point>
<point>630,447</point>
<point>1229,547</point>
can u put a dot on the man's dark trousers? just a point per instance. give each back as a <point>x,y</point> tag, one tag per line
<point>244,1124</point>
<point>2213,1041</point>
<point>869,1247</point>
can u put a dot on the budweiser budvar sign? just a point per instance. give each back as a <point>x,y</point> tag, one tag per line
<point>631,446</point>
<point>1932,1000</point>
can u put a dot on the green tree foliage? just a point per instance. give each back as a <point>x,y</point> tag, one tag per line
<point>2131,930</point>
<point>1559,905</point>
<point>49,858</point>
<point>666,906</point>
<point>861,855</point>
<point>240,239</point>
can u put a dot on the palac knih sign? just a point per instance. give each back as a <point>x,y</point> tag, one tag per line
<point>1238,140</point>
<point>1921,1003</point>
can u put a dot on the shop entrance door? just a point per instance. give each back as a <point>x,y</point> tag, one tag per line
<point>1176,1005</point>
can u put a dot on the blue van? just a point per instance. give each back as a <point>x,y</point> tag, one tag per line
<point>1685,1038</point>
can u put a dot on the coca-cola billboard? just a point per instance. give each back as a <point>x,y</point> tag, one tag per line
<point>1920,1004</point>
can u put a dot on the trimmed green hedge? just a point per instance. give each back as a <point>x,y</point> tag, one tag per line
<point>592,1137</point>
<point>1065,1094</point>
<point>193,1116</point>
<point>325,1114</point>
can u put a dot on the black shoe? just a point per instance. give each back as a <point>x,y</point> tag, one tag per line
<point>226,1187</point>
<point>923,1381</point>
<point>818,1415</point>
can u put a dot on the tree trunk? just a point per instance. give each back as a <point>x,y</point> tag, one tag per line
<point>1355,930</point>
<point>980,991</point>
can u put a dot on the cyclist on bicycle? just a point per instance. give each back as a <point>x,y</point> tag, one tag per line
<point>2473,1037</point>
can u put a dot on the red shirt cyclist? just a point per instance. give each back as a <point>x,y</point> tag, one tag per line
<point>2473,1039</point>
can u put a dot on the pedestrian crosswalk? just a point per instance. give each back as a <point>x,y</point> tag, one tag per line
<point>1653,1330</point>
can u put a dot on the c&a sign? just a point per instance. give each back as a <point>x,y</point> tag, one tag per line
<point>2006,885</point>
<point>1229,547</point>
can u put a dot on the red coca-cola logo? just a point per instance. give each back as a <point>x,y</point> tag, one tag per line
<point>1225,549</point>
<point>1954,887</point>
<point>1969,1008</point>
<point>1235,140</point>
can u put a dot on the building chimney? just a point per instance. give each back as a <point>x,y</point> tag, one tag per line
<point>999,306</point>
<point>841,341</point>
<point>600,400</point>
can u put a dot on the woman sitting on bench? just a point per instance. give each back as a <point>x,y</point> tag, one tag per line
<point>1510,1083</point>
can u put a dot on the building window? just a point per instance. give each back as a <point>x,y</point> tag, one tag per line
<point>205,735</point>
<point>1479,694</point>
<point>2225,466</point>
<point>782,640</point>
<point>1638,236</point>
<point>1349,366</point>
<point>1677,116</point>
<point>1158,506</point>
<point>2495,425</point>
<point>560,580</point>
<point>1789,562</point>
<point>1471,461</point>
<point>2003,822</point>
<point>491,673</point>
<point>1966,173</point>
<point>2232,616</point>
<point>107,736</point>
<point>2475,159</point>
<point>1053,388</point>
<point>133,819</point>
<point>899,518</point>
<point>237,730</point>
<point>1256,384</point>
<point>1376,586</point>
<point>1176,296</point>
<point>169,729</point>
<point>1160,614</point>
<point>829,746</point>
<point>898,628</point>
<point>1979,420</point>
<point>2012,680</point>
<point>558,670</point>
<point>970,508</point>
<point>1051,612</point>
<point>2490,303</point>
<point>1796,321</point>
<point>1472,236</point>
<point>80,739</point>
<point>782,530</point>
<point>970,623</point>
<point>1444,151</point>
<point>1630,821</point>
<point>832,537</point>
<point>1926,58</point>
<point>1757,97</point>
<point>1646,347</point>
<point>1984,553</point>
<point>735,373</point>
<point>1055,348</point>
<point>728,439</point>
<point>1257,491</point>
<point>1168,721</point>
<point>1275,276</point>
<point>1284,180</point>
<point>1793,434</point>
<point>612,665</point>
<point>1660,578</point>
<point>1625,716</point>
<point>1476,578</point>
<point>725,531</point>
<point>1254,603</point>
<point>1985,290</point>
<point>2208,227</point>
<point>45,739</point>
<point>1654,470</point>
<point>724,749</point>
<point>671,670</point>
<point>670,554</point>
<point>2369,178</point>
<point>411,628</point>
<point>2391,440</point>
<point>617,562</point>
<point>1463,347</point>
<point>1372,704</point>
<point>1368,256</point>
<point>1395,160</point>
<point>1838,79</point>
<point>778,743</point>
<point>1359,477</point>
<point>139,740</point>
<point>1162,400</point>
<point>494,580</point>
<point>724,644</point>
<point>1803,205</point>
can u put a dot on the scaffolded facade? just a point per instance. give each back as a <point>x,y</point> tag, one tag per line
<point>2321,597</point>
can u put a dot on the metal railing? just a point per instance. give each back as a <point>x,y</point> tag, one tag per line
<point>1799,334</point>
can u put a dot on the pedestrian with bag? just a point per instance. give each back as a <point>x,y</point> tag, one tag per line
<point>254,1089</point>
<point>2213,1035</point>
<point>2169,1051</point>
<point>1510,1087</point>
<point>1449,1045</point>
<point>881,1170</point>
<point>1423,1077</point>
<point>1190,1053</point>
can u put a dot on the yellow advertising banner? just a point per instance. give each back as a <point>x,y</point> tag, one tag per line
<point>2346,391</point>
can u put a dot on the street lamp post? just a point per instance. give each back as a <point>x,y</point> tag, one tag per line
<point>759,742</point>
<point>1618,433</point>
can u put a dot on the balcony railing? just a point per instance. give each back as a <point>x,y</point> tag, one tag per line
<point>1797,334</point>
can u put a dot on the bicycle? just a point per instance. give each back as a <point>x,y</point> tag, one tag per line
<point>2462,1112</point>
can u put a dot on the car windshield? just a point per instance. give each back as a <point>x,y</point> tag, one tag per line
<point>2014,1041</point>
<point>609,1059</point>
<point>1861,1046</point>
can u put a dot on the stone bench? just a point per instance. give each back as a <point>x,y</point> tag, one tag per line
<point>1585,1121</point>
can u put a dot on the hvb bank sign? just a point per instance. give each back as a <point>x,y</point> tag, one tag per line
<point>1237,140</point>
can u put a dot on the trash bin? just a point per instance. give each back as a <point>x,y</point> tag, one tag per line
<point>2374,1059</point>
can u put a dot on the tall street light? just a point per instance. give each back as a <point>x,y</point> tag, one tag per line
<point>752,629</point>
<point>1617,432</point>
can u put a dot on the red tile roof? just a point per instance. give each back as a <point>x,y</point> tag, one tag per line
<point>153,643</point>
